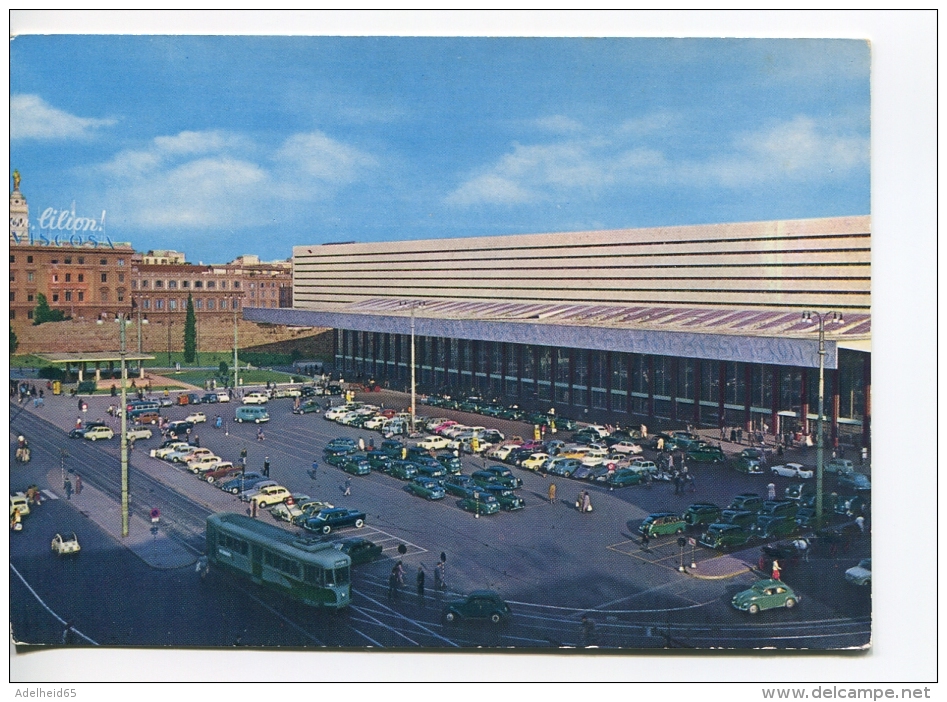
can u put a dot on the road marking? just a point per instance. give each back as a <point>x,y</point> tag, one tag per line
<point>47,608</point>
<point>50,495</point>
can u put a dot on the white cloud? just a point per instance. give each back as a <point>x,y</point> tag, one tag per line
<point>219,179</point>
<point>559,124</point>
<point>796,150</point>
<point>31,117</point>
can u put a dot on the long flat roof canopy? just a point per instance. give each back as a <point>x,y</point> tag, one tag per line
<point>92,357</point>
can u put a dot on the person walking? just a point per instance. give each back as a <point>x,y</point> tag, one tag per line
<point>860,523</point>
<point>259,434</point>
<point>361,444</point>
<point>78,422</point>
<point>393,584</point>
<point>266,467</point>
<point>771,491</point>
<point>645,540</point>
<point>552,493</point>
<point>420,582</point>
<point>775,569</point>
<point>243,457</point>
<point>586,501</point>
<point>440,581</point>
<point>68,486</point>
<point>78,483</point>
<point>348,487</point>
<point>218,422</point>
<point>254,505</point>
<point>196,441</point>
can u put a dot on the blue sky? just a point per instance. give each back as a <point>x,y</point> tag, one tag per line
<point>219,146</point>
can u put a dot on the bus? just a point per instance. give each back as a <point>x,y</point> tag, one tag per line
<point>308,570</point>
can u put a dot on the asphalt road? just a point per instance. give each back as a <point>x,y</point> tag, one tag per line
<point>550,562</point>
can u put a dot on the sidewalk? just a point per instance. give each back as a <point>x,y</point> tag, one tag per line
<point>156,550</point>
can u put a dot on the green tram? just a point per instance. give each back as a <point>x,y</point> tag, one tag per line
<point>307,570</point>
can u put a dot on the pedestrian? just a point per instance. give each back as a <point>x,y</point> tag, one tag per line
<point>78,422</point>
<point>315,467</point>
<point>771,491</point>
<point>253,508</point>
<point>361,443</point>
<point>420,581</point>
<point>80,403</point>
<point>660,443</point>
<point>218,422</point>
<point>552,493</point>
<point>399,573</point>
<point>723,433</point>
<point>68,486</point>
<point>775,569</point>
<point>588,631</point>
<point>259,434</point>
<point>586,501</point>
<point>78,483</point>
<point>348,487</point>
<point>439,581</point>
<point>196,441</point>
<point>243,457</point>
<point>645,540</point>
<point>733,435</point>
<point>739,435</point>
<point>393,584</point>
<point>691,481</point>
<point>266,467</point>
<point>371,444</point>
<point>860,523</point>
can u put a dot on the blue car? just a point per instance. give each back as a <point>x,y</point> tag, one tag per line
<point>241,483</point>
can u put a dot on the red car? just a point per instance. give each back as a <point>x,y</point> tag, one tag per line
<point>226,470</point>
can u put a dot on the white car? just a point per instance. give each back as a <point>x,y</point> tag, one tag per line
<point>377,422</point>
<point>792,470</point>
<point>434,443</point>
<point>65,546</point>
<point>165,451</point>
<point>595,457</point>
<point>626,447</point>
<point>223,396</point>
<point>255,398</point>
<point>270,495</point>
<point>136,433</point>
<point>186,455</point>
<point>204,464</point>
<point>96,433</point>
<point>196,417</point>
<point>501,452</point>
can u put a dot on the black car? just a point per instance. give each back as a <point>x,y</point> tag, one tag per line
<point>482,605</point>
<point>701,513</point>
<point>379,461</point>
<point>392,447</point>
<point>326,520</point>
<point>460,485</point>
<point>505,477</point>
<point>747,501</point>
<point>179,429</point>
<point>209,398</point>
<point>508,499</point>
<point>360,550</point>
<point>738,517</point>
<point>451,463</point>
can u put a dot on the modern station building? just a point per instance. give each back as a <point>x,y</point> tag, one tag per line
<point>669,326</point>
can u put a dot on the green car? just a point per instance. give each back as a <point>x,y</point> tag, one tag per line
<point>765,594</point>
<point>460,485</point>
<point>505,477</point>
<point>356,464</point>
<point>428,488</point>
<point>701,513</point>
<point>483,605</point>
<point>335,459</point>
<point>403,470</point>
<point>624,477</point>
<point>480,502</point>
<point>725,536</point>
<point>662,523</point>
<point>450,462</point>
<point>748,501</point>
<point>308,408</point>
<point>379,461</point>
<point>770,527</point>
<point>508,499</point>
<point>706,454</point>
<point>740,517</point>
<point>750,462</point>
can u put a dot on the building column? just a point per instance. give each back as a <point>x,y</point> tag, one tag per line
<point>571,379</point>
<point>834,376</point>
<point>520,365</point>
<point>747,397</point>
<point>81,370</point>
<point>697,382</point>
<point>804,400</point>
<point>721,394</point>
<point>650,387</point>
<point>866,409</point>
<point>553,371</point>
<point>675,370</point>
<point>608,381</point>
<point>777,394</point>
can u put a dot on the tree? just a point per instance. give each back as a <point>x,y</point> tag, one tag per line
<point>14,342</point>
<point>43,313</point>
<point>223,369</point>
<point>190,332</point>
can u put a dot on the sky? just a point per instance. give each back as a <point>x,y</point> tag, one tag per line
<point>226,145</point>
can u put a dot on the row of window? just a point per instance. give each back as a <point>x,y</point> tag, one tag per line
<point>80,260</point>
<point>184,284</point>
<point>67,277</point>
<point>199,304</point>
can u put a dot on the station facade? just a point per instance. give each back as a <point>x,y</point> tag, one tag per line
<point>670,326</point>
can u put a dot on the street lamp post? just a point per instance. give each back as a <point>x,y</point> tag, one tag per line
<point>413,304</point>
<point>235,370</point>
<point>169,340</point>
<point>122,320</point>
<point>835,318</point>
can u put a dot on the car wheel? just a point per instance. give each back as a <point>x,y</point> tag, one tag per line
<point>234,491</point>
<point>495,618</point>
<point>256,421</point>
<point>359,523</point>
<point>210,479</point>
<point>753,609</point>
<point>239,420</point>
<point>450,617</point>
<point>790,603</point>
<point>679,531</point>
<point>326,529</point>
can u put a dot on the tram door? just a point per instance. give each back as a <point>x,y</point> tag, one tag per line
<point>256,560</point>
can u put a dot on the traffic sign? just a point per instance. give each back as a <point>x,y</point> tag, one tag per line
<point>155,514</point>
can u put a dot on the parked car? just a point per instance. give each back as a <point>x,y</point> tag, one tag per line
<point>765,594</point>
<point>360,550</point>
<point>505,477</point>
<point>255,398</point>
<point>535,461</point>
<point>625,477</point>
<point>209,398</point>
<point>271,495</point>
<point>770,527</point>
<point>860,574</point>
<point>483,605</point>
<point>626,447</point>
<point>196,417</point>
<point>451,463</point>
<point>857,482</point>
<point>662,523</point>
<point>425,487</point>
<point>563,466</point>
<point>480,502</point>
<point>750,461</point>
<point>749,501</point>
<point>685,440</point>
<point>792,470</point>
<point>779,508</point>
<point>508,499</point>
<point>204,463</point>
<point>325,520</point>
<point>222,471</point>
<point>723,537</point>
<point>701,513</point>
<point>403,470</point>
<point>250,491</point>
<point>842,466</point>
<point>96,433</point>
<point>738,517</point>
<point>392,447</point>
<point>289,509</point>
<point>356,464</point>
<point>308,407</point>
<point>460,485</point>
<point>168,447</point>
<point>240,482</point>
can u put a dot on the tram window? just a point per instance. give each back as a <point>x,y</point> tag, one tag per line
<point>313,574</point>
<point>342,576</point>
<point>330,577</point>
<point>233,544</point>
